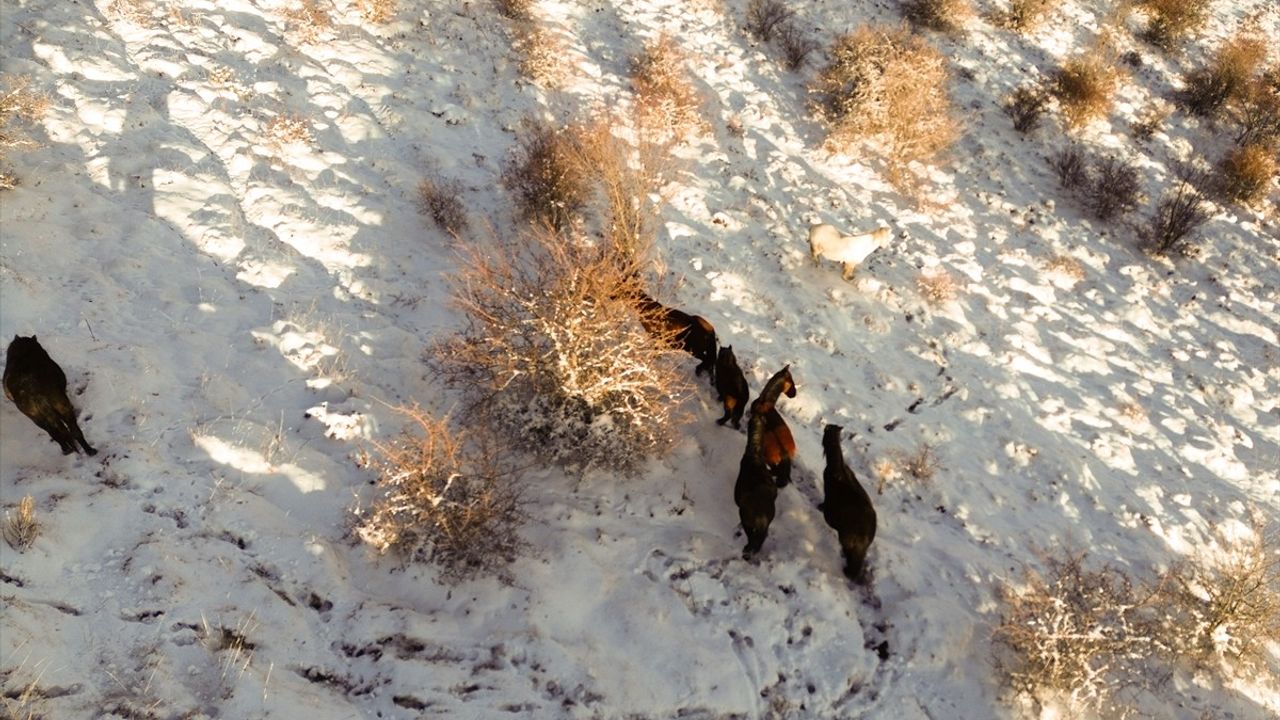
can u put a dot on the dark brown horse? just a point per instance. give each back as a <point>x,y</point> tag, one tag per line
<point>732,386</point>
<point>755,491</point>
<point>691,333</point>
<point>778,446</point>
<point>35,383</point>
<point>846,506</point>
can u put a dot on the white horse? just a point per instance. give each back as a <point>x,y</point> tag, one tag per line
<point>827,241</point>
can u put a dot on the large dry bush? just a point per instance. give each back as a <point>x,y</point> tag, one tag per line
<point>1109,186</point>
<point>19,104</point>
<point>1178,213</point>
<point>1227,75</point>
<point>626,174</point>
<point>1256,111</point>
<point>546,174</point>
<point>885,84</point>
<point>445,496</point>
<point>1085,85</point>
<point>1224,604</point>
<point>1246,173</point>
<point>946,16</point>
<point>666,99</point>
<point>1170,21</point>
<point>1074,632</point>
<point>554,356</point>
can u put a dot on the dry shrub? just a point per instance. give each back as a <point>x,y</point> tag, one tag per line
<point>1225,605</point>
<point>1066,266</point>
<point>137,12</point>
<point>1150,119</point>
<point>377,11</point>
<point>308,20</point>
<point>446,497</point>
<point>797,46</point>
<point>921,464</point>
<point>1022,15</point>
<point>18,104</point>
<point>1114,187</point>
<point>1256,112</point>
<point>885,84</point>
<point>551,184</point>
<point>286,128</point>
<point>554,356</point>
<point>767,17</point>
<point>440,200</point>
<point>542,55</point>
<point>521,10</point>
<point>1025,105</point>
<point>1246,173</point>
<point>1074,632</point>
<point>665,98</point>
<point>937,287</point>
<point>1169,21</point>
<point>1178,213</point>
<point>1226,77</point>
<point>21,528</point>
<point>1084,86</point>
<point>1071,166</point>
<point>627,177</point>
<point>946,16</point>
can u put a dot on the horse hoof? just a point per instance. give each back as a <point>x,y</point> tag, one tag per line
<point>721,421</point>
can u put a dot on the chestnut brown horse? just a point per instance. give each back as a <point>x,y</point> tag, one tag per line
<point>755,491</point>
<point>691,333</point>
<point>778,446</point>
<point>846,507</point>
<point>732,386</point>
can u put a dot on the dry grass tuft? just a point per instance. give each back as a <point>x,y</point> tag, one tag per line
<point>287,128</point>
<point>1171,21</point>
<point>542,55</point>
<point>554,357</point>
<point>1226,77</point>
<point>377,11</point>
<point>1022,15</point>
<point>19,103</point>
<point>1150,119</point>
<point>1066,266</point>
<point>945,16</point>
<point>440,200</point>
<point>937,287</point>
<point>21,528</point>
<point>547,176</point>
<point>887,85</point>
<point>1084,86</point>
<point>921,464</point>
<point>308,20</point>
<point>1246,174</point>
<point>446,497</point>
<point>1025,105</point>
<point>665,98</point>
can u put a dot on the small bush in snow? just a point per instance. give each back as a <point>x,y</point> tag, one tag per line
<point>767,17</point>
<point>1149,120</point>
<point>1256,112</point>
<point>18,104</point>
<point>287,128</point>
<point>308,20</point>
<point>937,287</point>
<point>1073,632</point>
<point>627,178</point>
<point>542,55</point>
<point>1246,173</point>
<point>440,200</point>
<point>887,85</point>
<point>797,45</point>
<point>1225,604</point>
<point>1177,214</point>
<point>21,528</point>
<point>377,11</point>
<point>1022,15</point>
<point>1025,105</point>
<point>1114,187</point>
<point>665,98</point>
<point>555,358</point>
<point>445,497</point>
<point>1170,21</point>
<point>1084,86</point>
<point>1226,77</point>
<point>551,185</point>
<point>1072,168</point>
<point>946,16</point>
<point>922,463</point>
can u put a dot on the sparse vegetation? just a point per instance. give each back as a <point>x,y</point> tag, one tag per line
<point>797,46</point>
<point>377,11</point>
<point>439,199</point>
<point>1022,15</point>
<point>1171,21</point>
<point>1150,119</point>
<point>19,103</point>
<point>767,17</point>
<point>1109,186</point>
<point>922,463</point>
<point>1025,105</point>
<point>554,357</point>
<point>1177,214</point>
<point>445,497</point>
<point>21,528</point>
<point>1072,168</point>
<point>521,10</point>
<point>542,54</point>
<point>286,128</point>
<point>308,20</point>
<point>665,98</point>
<point>550,184</point>
<point>937,287</point>
<point>1066,266</point>
<point>946,16</point>
<point>886,84</point>
<point>1256,112</point>
<point>1246,173</point>
<point>1226,77</point>
<point>1084,86</point>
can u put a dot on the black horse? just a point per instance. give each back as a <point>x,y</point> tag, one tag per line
<point>691,333</point>
<point>35,383</point>
<point>755,492</point>
<point>846,507</point>
<point>732,386</point>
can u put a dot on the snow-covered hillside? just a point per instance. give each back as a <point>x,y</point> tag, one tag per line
<point>218,240</point>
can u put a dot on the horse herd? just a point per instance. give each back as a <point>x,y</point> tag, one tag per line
<point>766,462</point>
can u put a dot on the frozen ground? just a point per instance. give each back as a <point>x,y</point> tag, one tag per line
<point>235,312</point>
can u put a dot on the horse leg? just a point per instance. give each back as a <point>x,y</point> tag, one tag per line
<point>782,473</point>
